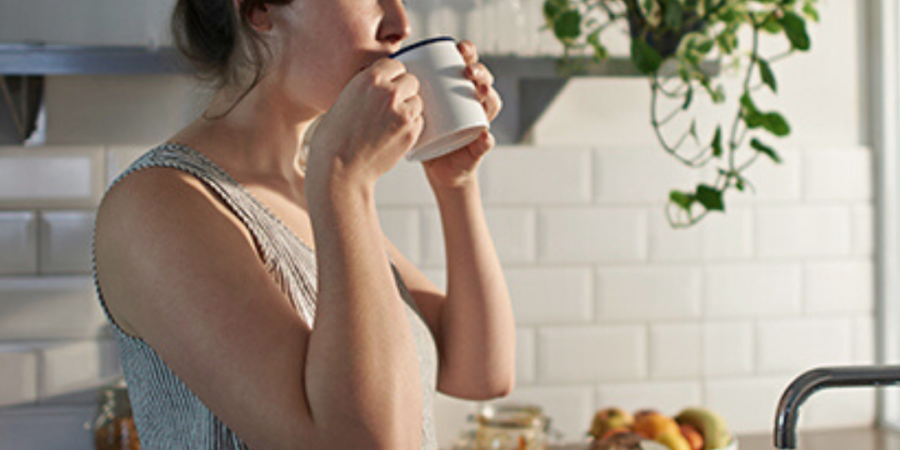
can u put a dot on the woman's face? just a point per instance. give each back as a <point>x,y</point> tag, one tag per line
<point>321,44</point>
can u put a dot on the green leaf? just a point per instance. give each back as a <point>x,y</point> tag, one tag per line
<point>727,42</point>
<point>645,58</point>
<point>810,11</point>
<point>717,142</point>
<point>776,124</point>
<point>568,25</point>
<point>765,72</point>
<point>752,117</point>
<point>710,198</point>
<point>682,199</point>
<point>674,13</point>
<point>739,184</point>
<point>688,97</point>
<point>772,25</point>
<point>553,8</point>
<point>795,28</point>
<point>765,149</point>
<point>705,46</point>
<point>600,51</point>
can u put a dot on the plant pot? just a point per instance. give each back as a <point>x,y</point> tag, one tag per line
<point>665,41</point>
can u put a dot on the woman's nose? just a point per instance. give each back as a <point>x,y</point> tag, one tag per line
<point>395,26</point>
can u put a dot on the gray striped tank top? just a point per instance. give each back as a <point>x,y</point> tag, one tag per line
<point>167,414</point>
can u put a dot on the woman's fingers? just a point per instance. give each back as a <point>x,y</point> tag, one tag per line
<point>468,51</point>
<point>480,74</point>
<point>482,145</point>
<point>492,103</point>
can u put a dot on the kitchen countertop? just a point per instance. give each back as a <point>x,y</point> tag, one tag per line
<point>842,439</point>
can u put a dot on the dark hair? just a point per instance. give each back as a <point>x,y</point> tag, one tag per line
<point>220,43</point>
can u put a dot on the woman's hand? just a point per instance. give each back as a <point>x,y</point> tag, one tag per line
<point>374,122</point>
<point>457,168</point>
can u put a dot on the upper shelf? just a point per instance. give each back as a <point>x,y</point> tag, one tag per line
<point>56,59</point>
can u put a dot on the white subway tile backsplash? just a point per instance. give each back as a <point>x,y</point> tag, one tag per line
<point>18,376</point>
<point>570,407</point>
<point>526,356</point>
<point>862,230</point>
<point>771,182</point>
<point>536,176</point>
<point>513,31</point>
<point>592,354</point>
<point>47,177</point>
<point>119,157</point>
<point>576,118</point>
<point>747,404</point>
<point>853,167</point>
<point>673,244</point>
<point>806,231</point>
<point>648,292</point>
<point>839,408</point>
<point>668,397</point>
<point>717,237</point>
<point>18,243</point>
<point>728,348</point>
<point>792,345</point>
<point>401,226</point>
<point>76,366</point>
<point>451,418</point>
<point>404,185</point>
<point>119,110</point>
<point>752,290</point>
<point>49,308</point>
<point>615,180</point>
<point>676,350</point>
<point>433,251</point>
<point>66,241</point>
<point>728,236</point>
<point>840,287</point>
<point>438,277</point>
<point>583,235</point>
<point>514,233</point>
<point>550,296</point>
<point>864,336</point>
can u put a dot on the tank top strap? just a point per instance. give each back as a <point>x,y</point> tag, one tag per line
<point>290,262</point>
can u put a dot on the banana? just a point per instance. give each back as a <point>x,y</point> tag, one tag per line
<point>711,425</point>
<point>674,441</point>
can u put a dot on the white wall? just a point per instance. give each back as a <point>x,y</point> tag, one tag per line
<point>613,307</point>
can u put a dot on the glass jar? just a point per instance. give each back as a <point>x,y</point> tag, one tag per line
<point>113,426</point>
<point>511,426</point>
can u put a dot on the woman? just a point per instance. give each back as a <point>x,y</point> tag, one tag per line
<point>255,299</point>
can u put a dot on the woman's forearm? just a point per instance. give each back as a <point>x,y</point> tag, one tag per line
<point>477,323</point>
<point>362,374</point>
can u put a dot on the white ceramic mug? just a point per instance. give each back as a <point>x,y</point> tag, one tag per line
<point>453,115</point>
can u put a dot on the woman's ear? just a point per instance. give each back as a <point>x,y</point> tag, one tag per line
<point>259,18</point>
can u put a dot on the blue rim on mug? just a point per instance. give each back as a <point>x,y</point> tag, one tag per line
<point>421,43</point>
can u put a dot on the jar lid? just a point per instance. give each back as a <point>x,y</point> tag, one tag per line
<point>511,415</point>
<point>115,393</point>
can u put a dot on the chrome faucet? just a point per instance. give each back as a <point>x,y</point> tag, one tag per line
<point>820,378</point>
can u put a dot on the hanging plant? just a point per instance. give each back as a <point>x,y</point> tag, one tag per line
<point>670,42</point>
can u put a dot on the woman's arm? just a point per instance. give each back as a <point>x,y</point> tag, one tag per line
<point>477,324</point>
<point>472,323</point>
<point>362,370</point>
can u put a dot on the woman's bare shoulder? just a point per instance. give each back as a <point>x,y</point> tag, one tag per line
<point>152,196</point>
<point>151,227</point>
